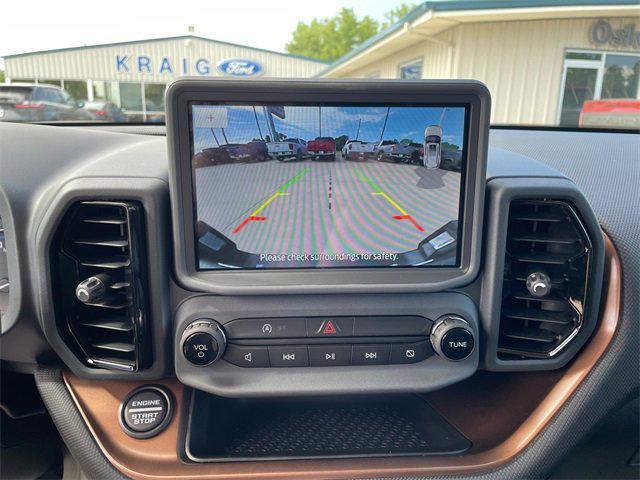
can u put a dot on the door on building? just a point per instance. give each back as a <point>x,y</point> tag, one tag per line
<point>580,84</point>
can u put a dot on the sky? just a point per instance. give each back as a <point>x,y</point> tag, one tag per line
<point>45,25</point>
<point>365,123</point>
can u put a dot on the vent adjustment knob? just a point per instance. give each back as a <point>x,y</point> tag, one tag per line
<point>203,342</point>
<point>93,289</point>
<point>538,284</point>
<point>452,337</point>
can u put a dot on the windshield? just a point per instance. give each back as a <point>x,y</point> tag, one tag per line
<point>561,69</point>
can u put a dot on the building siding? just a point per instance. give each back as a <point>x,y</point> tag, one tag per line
<point>520,61</point>
<point>99,63</point>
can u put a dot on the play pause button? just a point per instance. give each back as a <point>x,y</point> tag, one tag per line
<point>329,355</point>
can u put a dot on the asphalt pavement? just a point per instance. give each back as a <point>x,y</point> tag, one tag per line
<point>326,207</point>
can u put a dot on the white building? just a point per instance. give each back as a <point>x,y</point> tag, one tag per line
<point>133,75</point>
<point>541,59</point>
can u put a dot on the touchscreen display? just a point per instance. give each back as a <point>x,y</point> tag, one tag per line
<point>327,186</point>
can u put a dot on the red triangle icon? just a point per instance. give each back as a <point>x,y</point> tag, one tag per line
<point>329,329</point>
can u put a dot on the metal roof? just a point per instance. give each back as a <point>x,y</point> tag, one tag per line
<point>470,5</point>
<point>149,40</point>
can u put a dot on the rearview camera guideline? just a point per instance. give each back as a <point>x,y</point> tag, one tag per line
<point>326,186</point>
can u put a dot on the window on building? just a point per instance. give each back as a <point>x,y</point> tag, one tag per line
<point>411,70</point>
<point>596,76</point>
<point>51,82</point>
<point>77,89</point>
<point>621,76</point>
<point>131,96</point>
<point>154,97</point>
<point>104,90</point>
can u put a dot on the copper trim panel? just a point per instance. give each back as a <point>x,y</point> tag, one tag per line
<point>475,407</point>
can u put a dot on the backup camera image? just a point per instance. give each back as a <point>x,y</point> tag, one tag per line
<point>279,186</point>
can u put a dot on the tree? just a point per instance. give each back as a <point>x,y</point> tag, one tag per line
<point>1,76</point>
<point>392,16</point>
<point>330,38</point>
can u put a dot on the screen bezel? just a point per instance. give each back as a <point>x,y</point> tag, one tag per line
<point>182,93</point>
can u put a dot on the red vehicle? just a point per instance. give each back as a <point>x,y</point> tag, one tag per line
<point>624,113</point>
<point>322,148</point>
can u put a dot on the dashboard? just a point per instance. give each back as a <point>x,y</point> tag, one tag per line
<point>247,280</point>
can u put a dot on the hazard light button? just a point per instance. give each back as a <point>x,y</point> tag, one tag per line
<point>330,327</point>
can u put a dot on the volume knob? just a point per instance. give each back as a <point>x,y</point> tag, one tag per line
<point>452,337</point>
<point>203,342</point>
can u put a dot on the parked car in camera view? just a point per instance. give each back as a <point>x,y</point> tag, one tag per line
<point>406,152</point>
<point>357,150</point>
<point>383,149</point>
<point>451,159</point>
<point>288,149</point>
<point>432,146</point>
<point>105,111</point>
<point>26,102</point>
<point>255,150</point>
<point>322,148</point>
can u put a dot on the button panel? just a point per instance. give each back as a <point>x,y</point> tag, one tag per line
<point>307,341</point>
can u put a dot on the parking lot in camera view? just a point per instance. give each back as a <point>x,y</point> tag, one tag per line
<point>326,207</point>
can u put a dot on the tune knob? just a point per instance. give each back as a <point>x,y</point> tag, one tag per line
<point>452,337</point>
<point>203,342</point>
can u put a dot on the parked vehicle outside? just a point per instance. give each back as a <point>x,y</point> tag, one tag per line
<point>26,102</point>
<point>621,113</point>
<point>322,148</point>
<point>432,146</point>
<point>289,148</point>
<point>406,152</point>
<point>383,149</point>
<point>105,111</point>
<point>356,150</point>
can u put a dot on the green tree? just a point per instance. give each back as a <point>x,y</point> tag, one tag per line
<point>1,76</point>
<point>392,16</point>
<point>330,38</point>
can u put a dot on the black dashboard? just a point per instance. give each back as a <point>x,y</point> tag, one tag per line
<point>100,202</point>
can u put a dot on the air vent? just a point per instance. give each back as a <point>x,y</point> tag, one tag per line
<point>101,283</point>
<point>545,280</point>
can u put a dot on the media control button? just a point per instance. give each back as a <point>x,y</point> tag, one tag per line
<point>247,356</point>
<point>457,343</point>
<point>200,348</point>
<point>266,328</point>
<point>293,356</point>
<point>145,412</point>
<point>329,355</point>
<point>330,327</point>
<point>391,325</point>
<point>370,354</point>
<point>410,352</point>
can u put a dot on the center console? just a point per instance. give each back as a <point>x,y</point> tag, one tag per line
<point>369,189</point>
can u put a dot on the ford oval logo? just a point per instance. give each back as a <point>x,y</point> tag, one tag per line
<point>239,67</point>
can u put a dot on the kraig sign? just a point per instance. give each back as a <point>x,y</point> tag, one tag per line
<point>602,33</point>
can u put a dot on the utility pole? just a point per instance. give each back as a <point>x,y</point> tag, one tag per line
<point>385,123</point>
<point>225,136</point>
<point>257,123</point>
<point>358,132</point>
<point>320,116</point>
<point>214,136</point>
<point>270,125</point>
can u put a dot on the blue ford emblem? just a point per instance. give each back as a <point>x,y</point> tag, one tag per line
<point>239,67</point>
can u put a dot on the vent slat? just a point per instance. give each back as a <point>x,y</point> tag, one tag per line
<point>545,238</point>
<point>115,346</point>
<point>114,262</point>
<point>109,324</point>
<point>106,220</point>
<point>532,335</point>
<point>117,242</point>
<point>544,243</point>
<point>532,315</point>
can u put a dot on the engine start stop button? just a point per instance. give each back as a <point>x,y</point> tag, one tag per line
<point>146,411</point>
